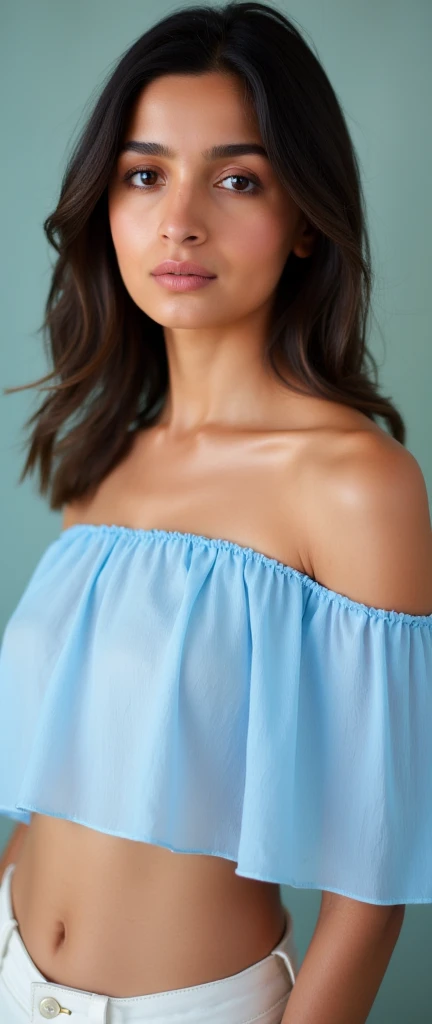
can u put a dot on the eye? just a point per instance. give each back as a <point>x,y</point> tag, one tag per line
<point>137,170</point>
<point>145,186</point>
<point>243,177</point>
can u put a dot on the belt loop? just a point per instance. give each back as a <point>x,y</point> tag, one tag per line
<point>98,1009</point>
<point>5,934</point>
<point>285,957</point>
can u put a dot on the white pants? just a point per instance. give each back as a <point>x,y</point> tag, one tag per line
<point>26,996</point>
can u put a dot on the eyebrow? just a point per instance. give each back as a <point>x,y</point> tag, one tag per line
<point>215,153</point>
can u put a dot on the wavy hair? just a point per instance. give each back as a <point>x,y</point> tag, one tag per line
<point>109,359</point>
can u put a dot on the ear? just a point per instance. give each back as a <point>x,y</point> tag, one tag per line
<point>305,239</point>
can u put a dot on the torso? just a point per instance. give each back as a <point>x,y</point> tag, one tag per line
<point>110,915</point>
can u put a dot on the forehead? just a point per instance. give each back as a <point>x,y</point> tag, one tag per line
<point>187,106</point>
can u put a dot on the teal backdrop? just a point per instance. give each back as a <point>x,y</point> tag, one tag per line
<point>53,58</point>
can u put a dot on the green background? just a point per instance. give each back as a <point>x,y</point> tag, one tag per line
<point>53,57</point>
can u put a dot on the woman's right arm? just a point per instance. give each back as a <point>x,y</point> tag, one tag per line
<point>10,853</point>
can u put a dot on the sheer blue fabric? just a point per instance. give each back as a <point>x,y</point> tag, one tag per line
<point>195,694</point>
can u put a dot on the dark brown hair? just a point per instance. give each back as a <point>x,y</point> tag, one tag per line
<point>108,356</point>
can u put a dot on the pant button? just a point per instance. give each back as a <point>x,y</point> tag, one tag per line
<point>49,1008</point>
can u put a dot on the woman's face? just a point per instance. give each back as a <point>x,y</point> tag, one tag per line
<point>230,214</point>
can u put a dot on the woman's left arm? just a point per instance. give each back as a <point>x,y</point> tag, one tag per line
<point>369,537</point>
<point>345,962</point>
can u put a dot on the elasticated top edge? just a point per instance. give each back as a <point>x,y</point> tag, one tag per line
<point>142,535</point>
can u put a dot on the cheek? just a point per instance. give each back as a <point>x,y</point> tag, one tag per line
<point>261,244</point>
<point>130,243</point>
<point>129,234</point>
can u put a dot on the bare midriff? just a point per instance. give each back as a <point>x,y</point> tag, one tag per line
<point>124,918</point>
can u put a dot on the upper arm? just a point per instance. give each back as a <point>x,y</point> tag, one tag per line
<point>71,515</point>
<point>67,517</point>
<point>363,913</point>
<point>370,539</point>
<point>369,536</point>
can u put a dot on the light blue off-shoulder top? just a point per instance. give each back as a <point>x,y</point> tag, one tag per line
<point>192,693</point>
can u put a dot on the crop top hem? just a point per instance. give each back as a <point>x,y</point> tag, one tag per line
<point>241,872</point>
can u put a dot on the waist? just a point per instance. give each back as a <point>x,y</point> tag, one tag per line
<point>94,912</point>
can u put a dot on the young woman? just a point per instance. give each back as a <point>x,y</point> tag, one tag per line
<point>218,678</point>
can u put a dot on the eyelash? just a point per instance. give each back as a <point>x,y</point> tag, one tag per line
<point>146,188</point>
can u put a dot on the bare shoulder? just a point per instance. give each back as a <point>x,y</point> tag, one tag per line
<point>74,512</point>
<point>368,520</point>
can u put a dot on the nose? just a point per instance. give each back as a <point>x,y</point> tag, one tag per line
<point>177,235</point>
<point>180,220</point>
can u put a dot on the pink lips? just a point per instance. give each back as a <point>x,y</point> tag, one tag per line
<point>182,277</point>
<point>186,267</point>
<point>183,282</point>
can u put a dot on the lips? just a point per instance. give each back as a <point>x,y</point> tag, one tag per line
<point>184,269</point>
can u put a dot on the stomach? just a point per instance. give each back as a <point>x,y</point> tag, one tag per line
<point>124,918</point>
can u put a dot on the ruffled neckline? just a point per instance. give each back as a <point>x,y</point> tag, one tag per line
<point>142,535</point>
